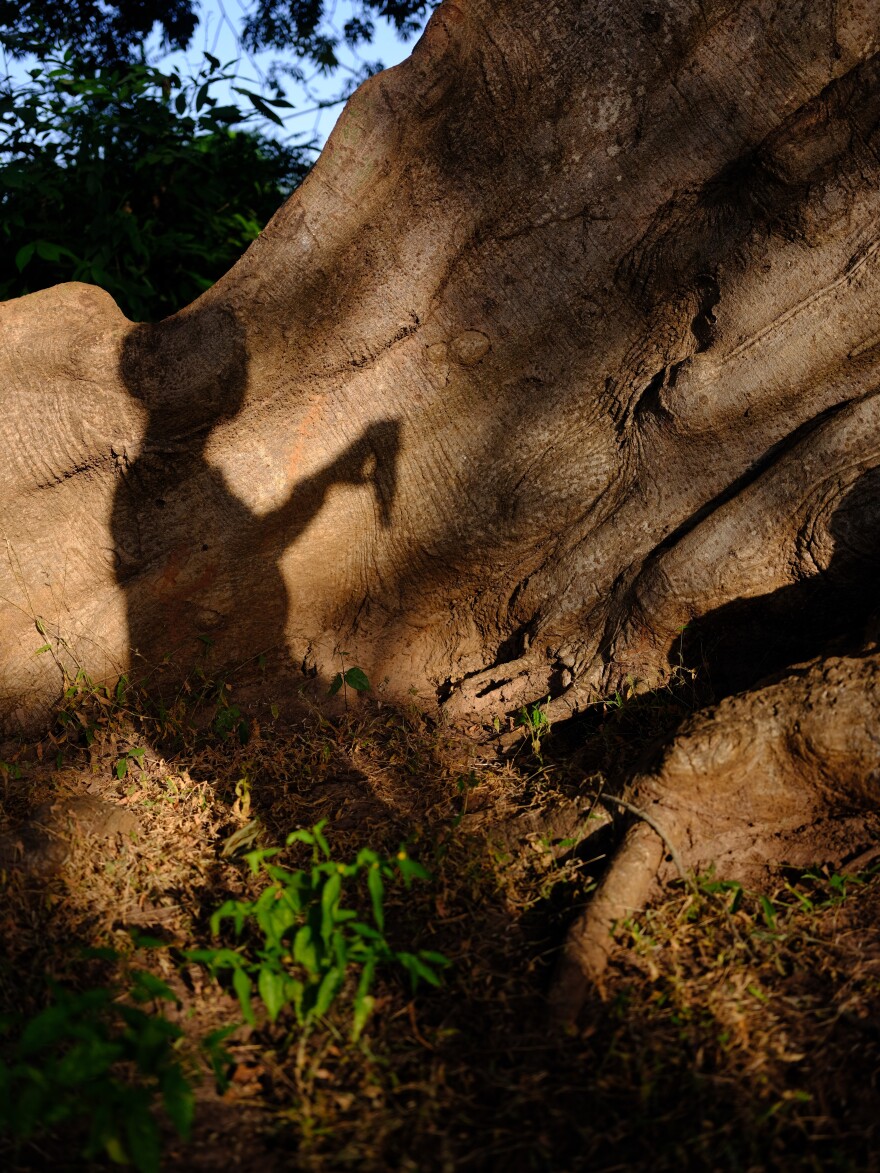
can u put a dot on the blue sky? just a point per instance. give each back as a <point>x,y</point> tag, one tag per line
<point>217,33</point>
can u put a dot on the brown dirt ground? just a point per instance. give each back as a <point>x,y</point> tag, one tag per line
<point>730,1034</point>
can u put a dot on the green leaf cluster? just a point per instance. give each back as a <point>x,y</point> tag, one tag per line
<point>305,941</point>
<point>103,31</point>
<point>280,24</point>
<point>109,31</point>
<point>134,180</point>
<point>98,1063</point>
<point>536,723</point>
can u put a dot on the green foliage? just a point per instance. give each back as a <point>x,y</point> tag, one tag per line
<point>10,771</point>
<point>354,678</point>
<point>464,786</point>
<point>99,1064</point>
<point>88,707</point>
<point>110,31</point>
<point>130,757</point>
<point>103,31</point>
<point>228,720</point>
<point>305,942</point>
<point>808,891</point>
<point>536,723</point>
<point>280,24</point>
<point>133,180</point>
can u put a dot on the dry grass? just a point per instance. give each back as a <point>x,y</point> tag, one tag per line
<point>739,1038</point>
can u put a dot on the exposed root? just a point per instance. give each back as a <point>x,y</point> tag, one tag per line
<point>623,892</point>
<point>784,775</point>
<point>500,688</point>
<point>655,826</point>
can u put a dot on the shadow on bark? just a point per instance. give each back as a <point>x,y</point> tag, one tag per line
<point>198,567</point>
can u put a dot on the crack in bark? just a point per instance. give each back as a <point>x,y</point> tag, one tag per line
<point>95,464</point>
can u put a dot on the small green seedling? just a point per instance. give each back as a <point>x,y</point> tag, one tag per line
<point>228,719</point>
<point>712,887</point>
<point>354,678</point>
<point>536,723</point>
<point>130,757</point>
<point>464,785</point>
<point>768,910</point>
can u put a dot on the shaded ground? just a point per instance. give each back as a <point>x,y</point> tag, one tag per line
<point>733,1032</point>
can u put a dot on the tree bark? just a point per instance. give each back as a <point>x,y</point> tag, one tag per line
<point>559,369</point>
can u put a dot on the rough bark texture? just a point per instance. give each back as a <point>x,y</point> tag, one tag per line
<point>571,339</point>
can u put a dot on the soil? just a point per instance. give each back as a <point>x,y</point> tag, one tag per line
<point>732,1030</point>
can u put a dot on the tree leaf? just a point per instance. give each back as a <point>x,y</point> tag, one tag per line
<point>260,105</point>
<point>23,257</point>
<point>271,984</point>
<point>357,679</point>
<point>52,252</point>
<point>226,114</point>
<point>242,985</point>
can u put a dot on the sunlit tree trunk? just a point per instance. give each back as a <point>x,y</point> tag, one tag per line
<point>560,369</point>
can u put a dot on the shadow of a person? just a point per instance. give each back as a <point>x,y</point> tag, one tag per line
<point>195,563</point>
<point>828,613</point>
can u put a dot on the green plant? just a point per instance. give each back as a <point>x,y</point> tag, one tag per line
<point>354,678</point>
<point>130,757</point>
<point>464,786</point>
<point>228,719</point>
<point>110,31</point>
<point>10,771</point>
<point>94,1062</point>
<point>825,888</point>
<point>621,696</point>
<point>305,942</point>
<point>536,723</point>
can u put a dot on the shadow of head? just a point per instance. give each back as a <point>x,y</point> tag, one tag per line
<point>823,613</point>
<point>189,371</point>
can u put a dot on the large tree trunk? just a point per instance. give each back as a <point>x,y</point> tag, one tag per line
<point>570,341</point>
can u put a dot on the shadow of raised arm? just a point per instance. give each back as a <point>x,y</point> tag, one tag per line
<point>369,460</point>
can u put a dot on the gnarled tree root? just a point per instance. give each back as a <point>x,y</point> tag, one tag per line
<point>786,774</point>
